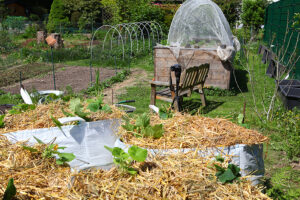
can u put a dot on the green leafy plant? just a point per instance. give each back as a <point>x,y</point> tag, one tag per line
<point>10,191</point>
<point>165,113</point>
<point>2,121</point>
<point>226,175</point>
<point>21,108</point>
<point>125,160</point>
<point>50,150</point>
<point>142,127</point>
<point>77,108</point>
<point>96,105</point>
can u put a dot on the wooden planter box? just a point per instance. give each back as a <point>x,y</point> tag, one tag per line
<point>219,72</point>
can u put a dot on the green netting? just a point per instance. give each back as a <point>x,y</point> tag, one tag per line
<point>281,36</point>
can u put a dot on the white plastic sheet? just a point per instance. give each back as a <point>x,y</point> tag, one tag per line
<point>86,141</point>
<point>248,158</point>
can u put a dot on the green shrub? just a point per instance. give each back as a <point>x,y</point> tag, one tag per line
<point>30,31</point>
<point>15,22</point>
<point>6,44</point>
<point>253,12</point>
<point>57,16</point>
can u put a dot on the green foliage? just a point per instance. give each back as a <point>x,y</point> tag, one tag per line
<point>253,12</point>
<point>84,13</point>
<point>231,9</point>
<point>286,135</point>
<point>133,11</point>
<point>2,121</point>
<point>10,191</point>
<point>97,105</point>
<point>57,123</point>
<point>57,16</point>
<point>15,22</point>
<point>6,44</point>
<point>296,23</point>
<point>20,108</point>
<point>3,10</point>
<point>165,112</point>
<point>125,160</point>
<point>226,175</point>
<point>30,31</point>
<point>50,150</point>
<point>94,90</point>
<point>215,91</point>
<point>142,127</point>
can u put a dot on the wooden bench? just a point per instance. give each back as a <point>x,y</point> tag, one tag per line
<point>191,79</point>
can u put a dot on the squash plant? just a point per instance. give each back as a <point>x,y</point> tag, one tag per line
<point>125,160</point>
<point>142,127</point>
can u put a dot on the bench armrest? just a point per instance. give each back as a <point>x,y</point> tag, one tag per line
<point>159,83</point>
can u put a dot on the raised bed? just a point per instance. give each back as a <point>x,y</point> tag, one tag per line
<point>219,74</point>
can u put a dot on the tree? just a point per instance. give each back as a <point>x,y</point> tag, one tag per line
<point>3,10</point>
<point>57,16</point>
<point>253,12</point>
<point>87,12</point>
<point>231,9</point>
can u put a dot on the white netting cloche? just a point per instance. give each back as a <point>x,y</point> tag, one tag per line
<point>200,24</point>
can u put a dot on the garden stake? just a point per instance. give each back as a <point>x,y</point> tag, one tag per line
<point>21,79</point>
<point>115,64</point>
<point>244,112</point>
<point>53,68</point>
<point>112,96</point>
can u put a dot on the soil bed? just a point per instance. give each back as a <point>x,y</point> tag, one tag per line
<point>76,77</point>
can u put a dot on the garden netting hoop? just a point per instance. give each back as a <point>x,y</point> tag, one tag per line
<point>201,24</point>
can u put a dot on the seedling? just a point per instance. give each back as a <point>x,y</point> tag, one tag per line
<point>226,175</point>
<point>142,127</point>
<point>2,121</point>
<point>10,191</point>
<point>125,160</point>
<point>50,150</point>
<point>21,108</point>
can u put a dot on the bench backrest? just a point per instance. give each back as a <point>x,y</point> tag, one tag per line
<point>194,76</point>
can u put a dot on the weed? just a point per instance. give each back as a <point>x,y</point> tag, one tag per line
<point>50,150</point>
<point>2,121</point>
<point>10,191</point>
<point>125,160</point>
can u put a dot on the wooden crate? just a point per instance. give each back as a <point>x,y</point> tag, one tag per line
<point>219,73</point>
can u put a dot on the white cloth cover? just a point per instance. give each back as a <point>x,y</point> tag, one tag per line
<point>86,141</point>
<point>248,158</point>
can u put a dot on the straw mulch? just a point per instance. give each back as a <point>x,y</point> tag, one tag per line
<point>187,131</point>
<point>181,176</point>
<point>41,117</point>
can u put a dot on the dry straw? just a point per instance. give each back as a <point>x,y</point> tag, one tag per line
<point>181,176</point>
<point>187,131</point>
<point>41,117</point>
